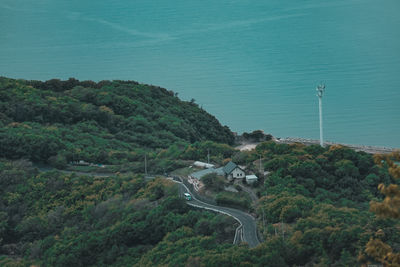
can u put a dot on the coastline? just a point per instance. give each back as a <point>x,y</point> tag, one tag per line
<point>367,149</point>
<point>246,145</point>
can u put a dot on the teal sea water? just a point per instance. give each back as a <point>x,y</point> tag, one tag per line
<point>254,64</point>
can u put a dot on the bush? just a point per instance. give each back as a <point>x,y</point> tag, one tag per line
<point>286,208</point>
<point>238,188</point>
<point>213,182</point>
<point>59,162</point>
<point>257,136</point>
<point>238,200</point>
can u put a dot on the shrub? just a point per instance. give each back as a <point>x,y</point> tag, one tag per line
<point>213,182</point>
<point>238,200</point>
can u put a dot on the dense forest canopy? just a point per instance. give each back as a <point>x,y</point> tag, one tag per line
<point>317,199</point>
<point>97,122</point>
<point>309,212</point>
<point>56,219</point>
<point>313,204</point>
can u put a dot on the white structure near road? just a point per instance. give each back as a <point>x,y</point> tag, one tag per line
<point>251,178</point>
<point>230,171</point>
<point>203,165</point>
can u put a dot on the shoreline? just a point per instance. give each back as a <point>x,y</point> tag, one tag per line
<point>367,149</point>
<point>246,145</point>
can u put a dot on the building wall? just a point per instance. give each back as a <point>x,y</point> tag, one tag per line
<point>250,181</point>
<point>238,174</point>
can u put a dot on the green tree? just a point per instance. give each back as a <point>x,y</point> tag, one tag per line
<point>213,181</point>
<point>389,208</point>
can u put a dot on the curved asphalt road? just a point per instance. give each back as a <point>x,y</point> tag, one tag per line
<point>248,228</point>
<point>247,221</point>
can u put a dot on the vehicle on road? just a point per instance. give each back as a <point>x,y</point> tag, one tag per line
<point>187,196</point>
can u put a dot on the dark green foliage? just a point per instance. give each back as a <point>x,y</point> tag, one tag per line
<point>332,175</point>
<point>314,204</point>
<point>312,211</point>
<point>239,200</point>
<point>257,136</point>
<point>73,120</point>
<point>316,200</point>
<point>213,182</point>
<point>56,219</point>
<point>199,151</point>
<point>287,208</point>
<point>244,158</point>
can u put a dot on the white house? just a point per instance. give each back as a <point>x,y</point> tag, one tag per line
<point>233,171</point>
<point>230,171</point>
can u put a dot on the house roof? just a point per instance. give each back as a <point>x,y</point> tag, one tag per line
<point>220,171</point>
<point>230,167</point>
<point>201,173</point>
<point>251,177</point>
<point>227,169</point>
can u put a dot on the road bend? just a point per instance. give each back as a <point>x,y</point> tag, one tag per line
<point>248,223</point>
<point>247,229</point>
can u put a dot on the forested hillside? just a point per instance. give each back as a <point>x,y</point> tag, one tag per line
<point>56,219</point>
<point>312,206</point>
<point>313,211</point>
<point>97,122</point>
<point>317,201</point>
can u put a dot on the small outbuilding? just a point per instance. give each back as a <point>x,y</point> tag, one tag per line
<point>203,165</point>
<point>251,179</point>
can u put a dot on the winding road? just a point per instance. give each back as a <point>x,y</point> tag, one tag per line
<point>246,232</point>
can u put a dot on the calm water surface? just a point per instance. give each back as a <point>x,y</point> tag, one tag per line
<point>254,64</point>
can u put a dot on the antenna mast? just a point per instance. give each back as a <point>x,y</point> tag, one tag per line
<point>320,90</point>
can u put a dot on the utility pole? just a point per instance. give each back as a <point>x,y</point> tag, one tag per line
<point>145,164</point>
<point>263,221</point>
<point>320,90</point>
<point>208,156</point>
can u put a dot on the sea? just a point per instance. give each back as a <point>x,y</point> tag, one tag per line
<point>253,64</point>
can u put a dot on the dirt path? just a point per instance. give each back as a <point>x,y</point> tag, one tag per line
<point>247,147</point>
